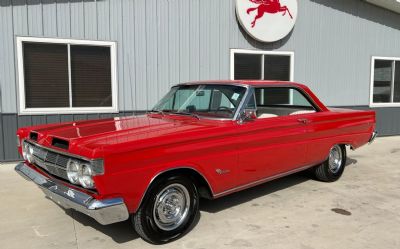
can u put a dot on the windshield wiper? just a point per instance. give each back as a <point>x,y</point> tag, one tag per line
<point>156,111</point>
<point>187,114</point>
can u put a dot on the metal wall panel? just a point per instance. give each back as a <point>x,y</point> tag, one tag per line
<point>63,13</point>
<point>139,27</point>
<point>162,48</point>
<point>128,49</point>
<point>161,43</point>
<point>90,19</point>
<point>184,41</point>
<point>77,19</point>
<point>103,20</point>
<point>49,8</point>
<point>7,67</point>
<point>10,124</point>
<point>35,17</point>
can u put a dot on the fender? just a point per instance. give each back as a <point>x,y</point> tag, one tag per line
<point>169,170</point>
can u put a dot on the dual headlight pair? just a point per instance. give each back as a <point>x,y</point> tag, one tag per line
<point>27,152</point>
<point>78,171</point>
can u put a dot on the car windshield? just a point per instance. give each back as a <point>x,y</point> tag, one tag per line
<point>206,100</point>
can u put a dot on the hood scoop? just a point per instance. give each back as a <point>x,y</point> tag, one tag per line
<point>33,136</point>
<point>60,143</point>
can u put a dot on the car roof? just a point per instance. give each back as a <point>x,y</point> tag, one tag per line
<point>254,83</point>
<point>257,83</point>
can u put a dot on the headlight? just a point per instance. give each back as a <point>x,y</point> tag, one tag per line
<point>85,179</point>
<point>80,172</point>
<point>73,171</point>
<point>24,150</point>
<point>27,152</point>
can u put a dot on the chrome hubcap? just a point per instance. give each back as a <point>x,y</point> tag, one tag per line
<point>335,159</point>
<point>171,207</point>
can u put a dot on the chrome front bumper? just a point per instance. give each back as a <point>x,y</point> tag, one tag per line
<point>373,136</point>
<point>105,212</point>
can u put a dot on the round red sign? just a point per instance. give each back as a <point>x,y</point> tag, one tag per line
<point>267,20</point>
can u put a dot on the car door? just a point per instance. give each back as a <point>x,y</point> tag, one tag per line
<point>271,145</point>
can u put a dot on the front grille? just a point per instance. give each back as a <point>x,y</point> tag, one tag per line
<point>54,163</point>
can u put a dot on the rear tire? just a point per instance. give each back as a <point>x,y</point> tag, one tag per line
<point>332,169</point>
<point>168,210</point>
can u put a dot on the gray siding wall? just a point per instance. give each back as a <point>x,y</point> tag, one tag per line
<point>161,43</point>
<point>164,42</point>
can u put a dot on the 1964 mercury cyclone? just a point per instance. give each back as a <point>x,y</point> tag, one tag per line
<point>203,139</point>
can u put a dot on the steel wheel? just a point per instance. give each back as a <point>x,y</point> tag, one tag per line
<point>171,207</point>
<point>332,169</point>
<point>335,159</point>
<point>168,211</point>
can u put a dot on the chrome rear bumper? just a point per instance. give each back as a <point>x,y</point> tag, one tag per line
<point>373,136</point>
<point>105,212</point>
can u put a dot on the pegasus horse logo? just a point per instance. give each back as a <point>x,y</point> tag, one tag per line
<point>267,6</point>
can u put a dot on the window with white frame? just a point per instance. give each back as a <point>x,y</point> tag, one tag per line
<point>385,81</point>
<point>66,76</point>
<point>261,65</point>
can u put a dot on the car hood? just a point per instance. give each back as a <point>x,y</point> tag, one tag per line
<point>84,137</point>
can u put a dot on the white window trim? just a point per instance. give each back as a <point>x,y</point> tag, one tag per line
<point>262,52</point>
<point>371,90</point>
<point>66,110</point>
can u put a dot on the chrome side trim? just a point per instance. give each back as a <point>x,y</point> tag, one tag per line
<point>165,171</point>
<point>105,212</point>
<point>373,136</point>
<point>258,182</point>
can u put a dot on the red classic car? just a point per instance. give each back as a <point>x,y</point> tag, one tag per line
<point>202,140</point>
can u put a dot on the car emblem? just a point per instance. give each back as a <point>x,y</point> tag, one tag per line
<point>70,193</point>
<point>222,171</point>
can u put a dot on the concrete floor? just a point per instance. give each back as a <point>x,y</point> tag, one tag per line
<point>362,210</point>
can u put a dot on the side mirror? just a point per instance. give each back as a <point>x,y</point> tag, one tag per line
<point>248,115</point>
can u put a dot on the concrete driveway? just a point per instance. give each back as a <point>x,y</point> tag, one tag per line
<point>362,210</point>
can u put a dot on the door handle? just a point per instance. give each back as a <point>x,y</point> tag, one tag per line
<point>304,121</point>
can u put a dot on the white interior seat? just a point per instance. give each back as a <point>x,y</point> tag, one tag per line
<point>302,112</point>
<point>268,115</point>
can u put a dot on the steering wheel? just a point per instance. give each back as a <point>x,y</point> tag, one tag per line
<point>224,108</point>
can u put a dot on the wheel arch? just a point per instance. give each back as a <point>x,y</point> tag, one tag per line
<point>345,143</point>
<point>201,182</point>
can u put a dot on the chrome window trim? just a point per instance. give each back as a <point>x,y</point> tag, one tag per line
<point>245,100</point>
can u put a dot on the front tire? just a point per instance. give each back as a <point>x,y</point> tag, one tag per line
<point>332,169</point>
<point>168,211</point>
